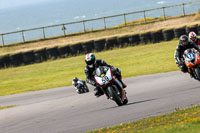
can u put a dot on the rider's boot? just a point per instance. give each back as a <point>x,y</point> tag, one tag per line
<point>123,84</point>
<point>98,92</point>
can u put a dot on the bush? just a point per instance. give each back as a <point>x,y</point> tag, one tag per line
<point>123,40</point>
<point>52,53</point>
<point>111,42</point>
<point>99,45</point>
<point>40,55</point>
<point>134,39</point>
<point>145,37</point>
<point>157,36</point>
<point>76,49</point>
<point>87,47</point>
<point>16,59</point>
<point>168,34</point>
<point>28,57</point>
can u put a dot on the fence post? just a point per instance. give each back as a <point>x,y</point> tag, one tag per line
<point>125,19</point>
<point>23,36</point>
<point>43,32</point>
<point>144,17</point>
<point>164,13</point>
<point>63,28</point>
<point>84,26</point>
<point>183,9</point>
<point>2,39</point>
<point>104,21</point>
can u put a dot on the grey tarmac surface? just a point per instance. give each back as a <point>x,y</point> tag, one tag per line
<point>62,110</point>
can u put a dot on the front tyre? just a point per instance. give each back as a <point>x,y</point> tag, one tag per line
<point>125,101</point>
<point>113,95</point>
<point>86,89</point>
<point>197,73</point>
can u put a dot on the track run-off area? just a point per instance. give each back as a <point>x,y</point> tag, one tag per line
<point>62,110</point>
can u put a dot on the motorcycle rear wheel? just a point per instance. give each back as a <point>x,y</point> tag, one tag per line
<point>114,96</point>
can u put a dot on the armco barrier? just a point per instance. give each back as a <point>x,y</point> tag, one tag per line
<point>111,42</point>
<point>145,37</point>
<point>179,31</point>
<point>193,28</point>
<point>134,39</point>
<point>87,47</point>
<point>43,54</point>
<point>40,55</point>
<point>168,34</point>
<point>28,57</point>
<point>99,45</point>
<point>157,36</point>
<point>16,59</point>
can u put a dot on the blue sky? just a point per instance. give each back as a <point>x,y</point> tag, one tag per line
<point>17,3</point>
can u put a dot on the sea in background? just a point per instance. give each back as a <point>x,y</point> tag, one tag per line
<point>52,12</point>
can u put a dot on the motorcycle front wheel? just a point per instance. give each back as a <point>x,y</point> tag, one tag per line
<point>113,95</point>
<point>125,101</point>
<point>197,73</point>
<point>86,89</point>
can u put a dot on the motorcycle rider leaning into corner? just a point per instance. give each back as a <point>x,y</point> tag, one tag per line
<point>184,44</point>
<point>193,38</point>
<point>78,83</point>
<point>91,64</point>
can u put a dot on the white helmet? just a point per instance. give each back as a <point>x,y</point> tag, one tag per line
<point>193,36</point>
<point>90,60</point>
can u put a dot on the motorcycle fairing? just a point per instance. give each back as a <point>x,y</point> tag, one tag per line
<point>103,79</point>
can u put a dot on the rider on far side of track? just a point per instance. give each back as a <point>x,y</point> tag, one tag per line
<point>91,64</point>
<point>193,37</point>
<point>184,44</point>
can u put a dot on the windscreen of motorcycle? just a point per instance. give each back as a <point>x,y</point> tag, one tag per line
<point>103,79</point>
<point>189,55</point>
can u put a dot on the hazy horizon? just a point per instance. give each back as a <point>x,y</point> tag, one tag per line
<point>26,14</point>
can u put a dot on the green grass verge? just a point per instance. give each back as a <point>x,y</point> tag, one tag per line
<point>133,61</point>
<point>5,107</point>
<point>184,121</point>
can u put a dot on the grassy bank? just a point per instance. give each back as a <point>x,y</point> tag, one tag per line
<point>133,61</point>
<point>184,121</point>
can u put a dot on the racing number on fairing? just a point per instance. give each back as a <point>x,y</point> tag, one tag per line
<point>190,56</point>
<point>105,79</point>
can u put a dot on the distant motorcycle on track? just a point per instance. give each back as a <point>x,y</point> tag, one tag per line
<point>80,85</point>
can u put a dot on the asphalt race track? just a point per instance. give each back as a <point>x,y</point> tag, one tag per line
<point>62,110</point>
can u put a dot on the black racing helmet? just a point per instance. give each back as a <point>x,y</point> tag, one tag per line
<point>90,60</point>
<point>183,40</point>
<point>75,79</point>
